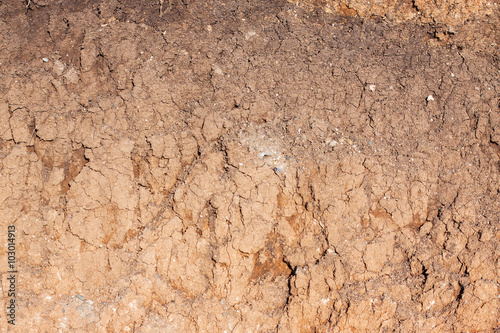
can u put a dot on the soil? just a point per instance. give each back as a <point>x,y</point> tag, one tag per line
<point>251,165</point>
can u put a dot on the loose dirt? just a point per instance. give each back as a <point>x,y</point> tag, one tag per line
<point>251,166</point>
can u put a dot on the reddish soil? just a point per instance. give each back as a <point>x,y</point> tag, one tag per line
<point>251,165</point>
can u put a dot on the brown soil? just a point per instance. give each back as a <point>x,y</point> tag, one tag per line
<point>251,165</point>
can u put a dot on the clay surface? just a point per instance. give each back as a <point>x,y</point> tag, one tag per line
<point>251,166</point>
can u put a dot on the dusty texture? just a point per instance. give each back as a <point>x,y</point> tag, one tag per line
<point>441,12</point>
<point>249,166</point>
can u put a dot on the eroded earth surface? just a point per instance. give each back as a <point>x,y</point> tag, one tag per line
<point>251,166</point>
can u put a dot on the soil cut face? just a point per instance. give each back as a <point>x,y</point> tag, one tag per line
<point>250,166</point>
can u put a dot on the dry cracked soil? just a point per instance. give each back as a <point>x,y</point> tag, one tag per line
<point>250,165</point>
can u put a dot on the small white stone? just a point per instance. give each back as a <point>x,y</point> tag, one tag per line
<point>45,59</point>
<point>333,143</point>
<point>430,98</point>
